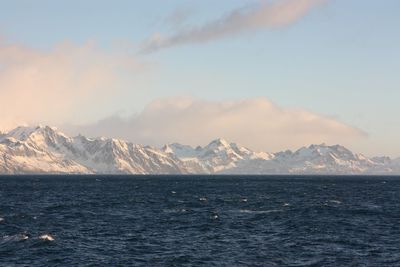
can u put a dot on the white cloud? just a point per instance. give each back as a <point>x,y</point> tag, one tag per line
<point>256,123</point>
<point>63,84</point>
<point>266,14</point>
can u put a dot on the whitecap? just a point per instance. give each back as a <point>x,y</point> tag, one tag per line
<point>17,237</point>
<point>259,211</point>
<point>370,206</point>
<point>1,219</point>
<point>46,237</point>
<point>175,210</point>
<point>203,199</point>
<point>335,201</point>
<point>286,204</point>
<point>243,199</point>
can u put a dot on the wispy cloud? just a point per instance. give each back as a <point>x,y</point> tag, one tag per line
<point>257,123</point>
<point>266,14</point>
<point>179,17</point>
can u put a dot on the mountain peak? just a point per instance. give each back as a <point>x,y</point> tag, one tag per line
<point>323,150</point>
<point>219,142</point>
<point>22,132</point>
<point>34,133</point>
<point>316,146</point>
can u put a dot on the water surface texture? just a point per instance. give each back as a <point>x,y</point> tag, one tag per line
<point>199,221</point>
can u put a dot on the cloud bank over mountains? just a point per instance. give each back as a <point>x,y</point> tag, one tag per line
<point>64,85</point>
<point>70,85</point>
<point>257,123</point>
<point>265,14</point>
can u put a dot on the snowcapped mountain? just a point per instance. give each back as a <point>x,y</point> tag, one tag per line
<point>44,149</point>
<point>318,159</point>
<point>217,156</point>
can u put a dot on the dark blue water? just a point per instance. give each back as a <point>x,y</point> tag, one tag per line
<point>200,221</point>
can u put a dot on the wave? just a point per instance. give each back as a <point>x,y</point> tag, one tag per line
<point>183,210</point>
<point>259,211</point>
<point>15,238</point>
<point>46,237</point>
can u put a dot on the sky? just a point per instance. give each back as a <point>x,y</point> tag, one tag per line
<point>268,74</point>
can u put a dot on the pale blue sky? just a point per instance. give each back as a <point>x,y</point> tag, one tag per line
<point>341,60</point>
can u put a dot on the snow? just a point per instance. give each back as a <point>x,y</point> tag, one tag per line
<point>44,149</point>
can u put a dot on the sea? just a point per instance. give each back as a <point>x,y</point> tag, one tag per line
<point>199,221</point>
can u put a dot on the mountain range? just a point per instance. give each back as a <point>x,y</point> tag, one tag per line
<point>45,150</point>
